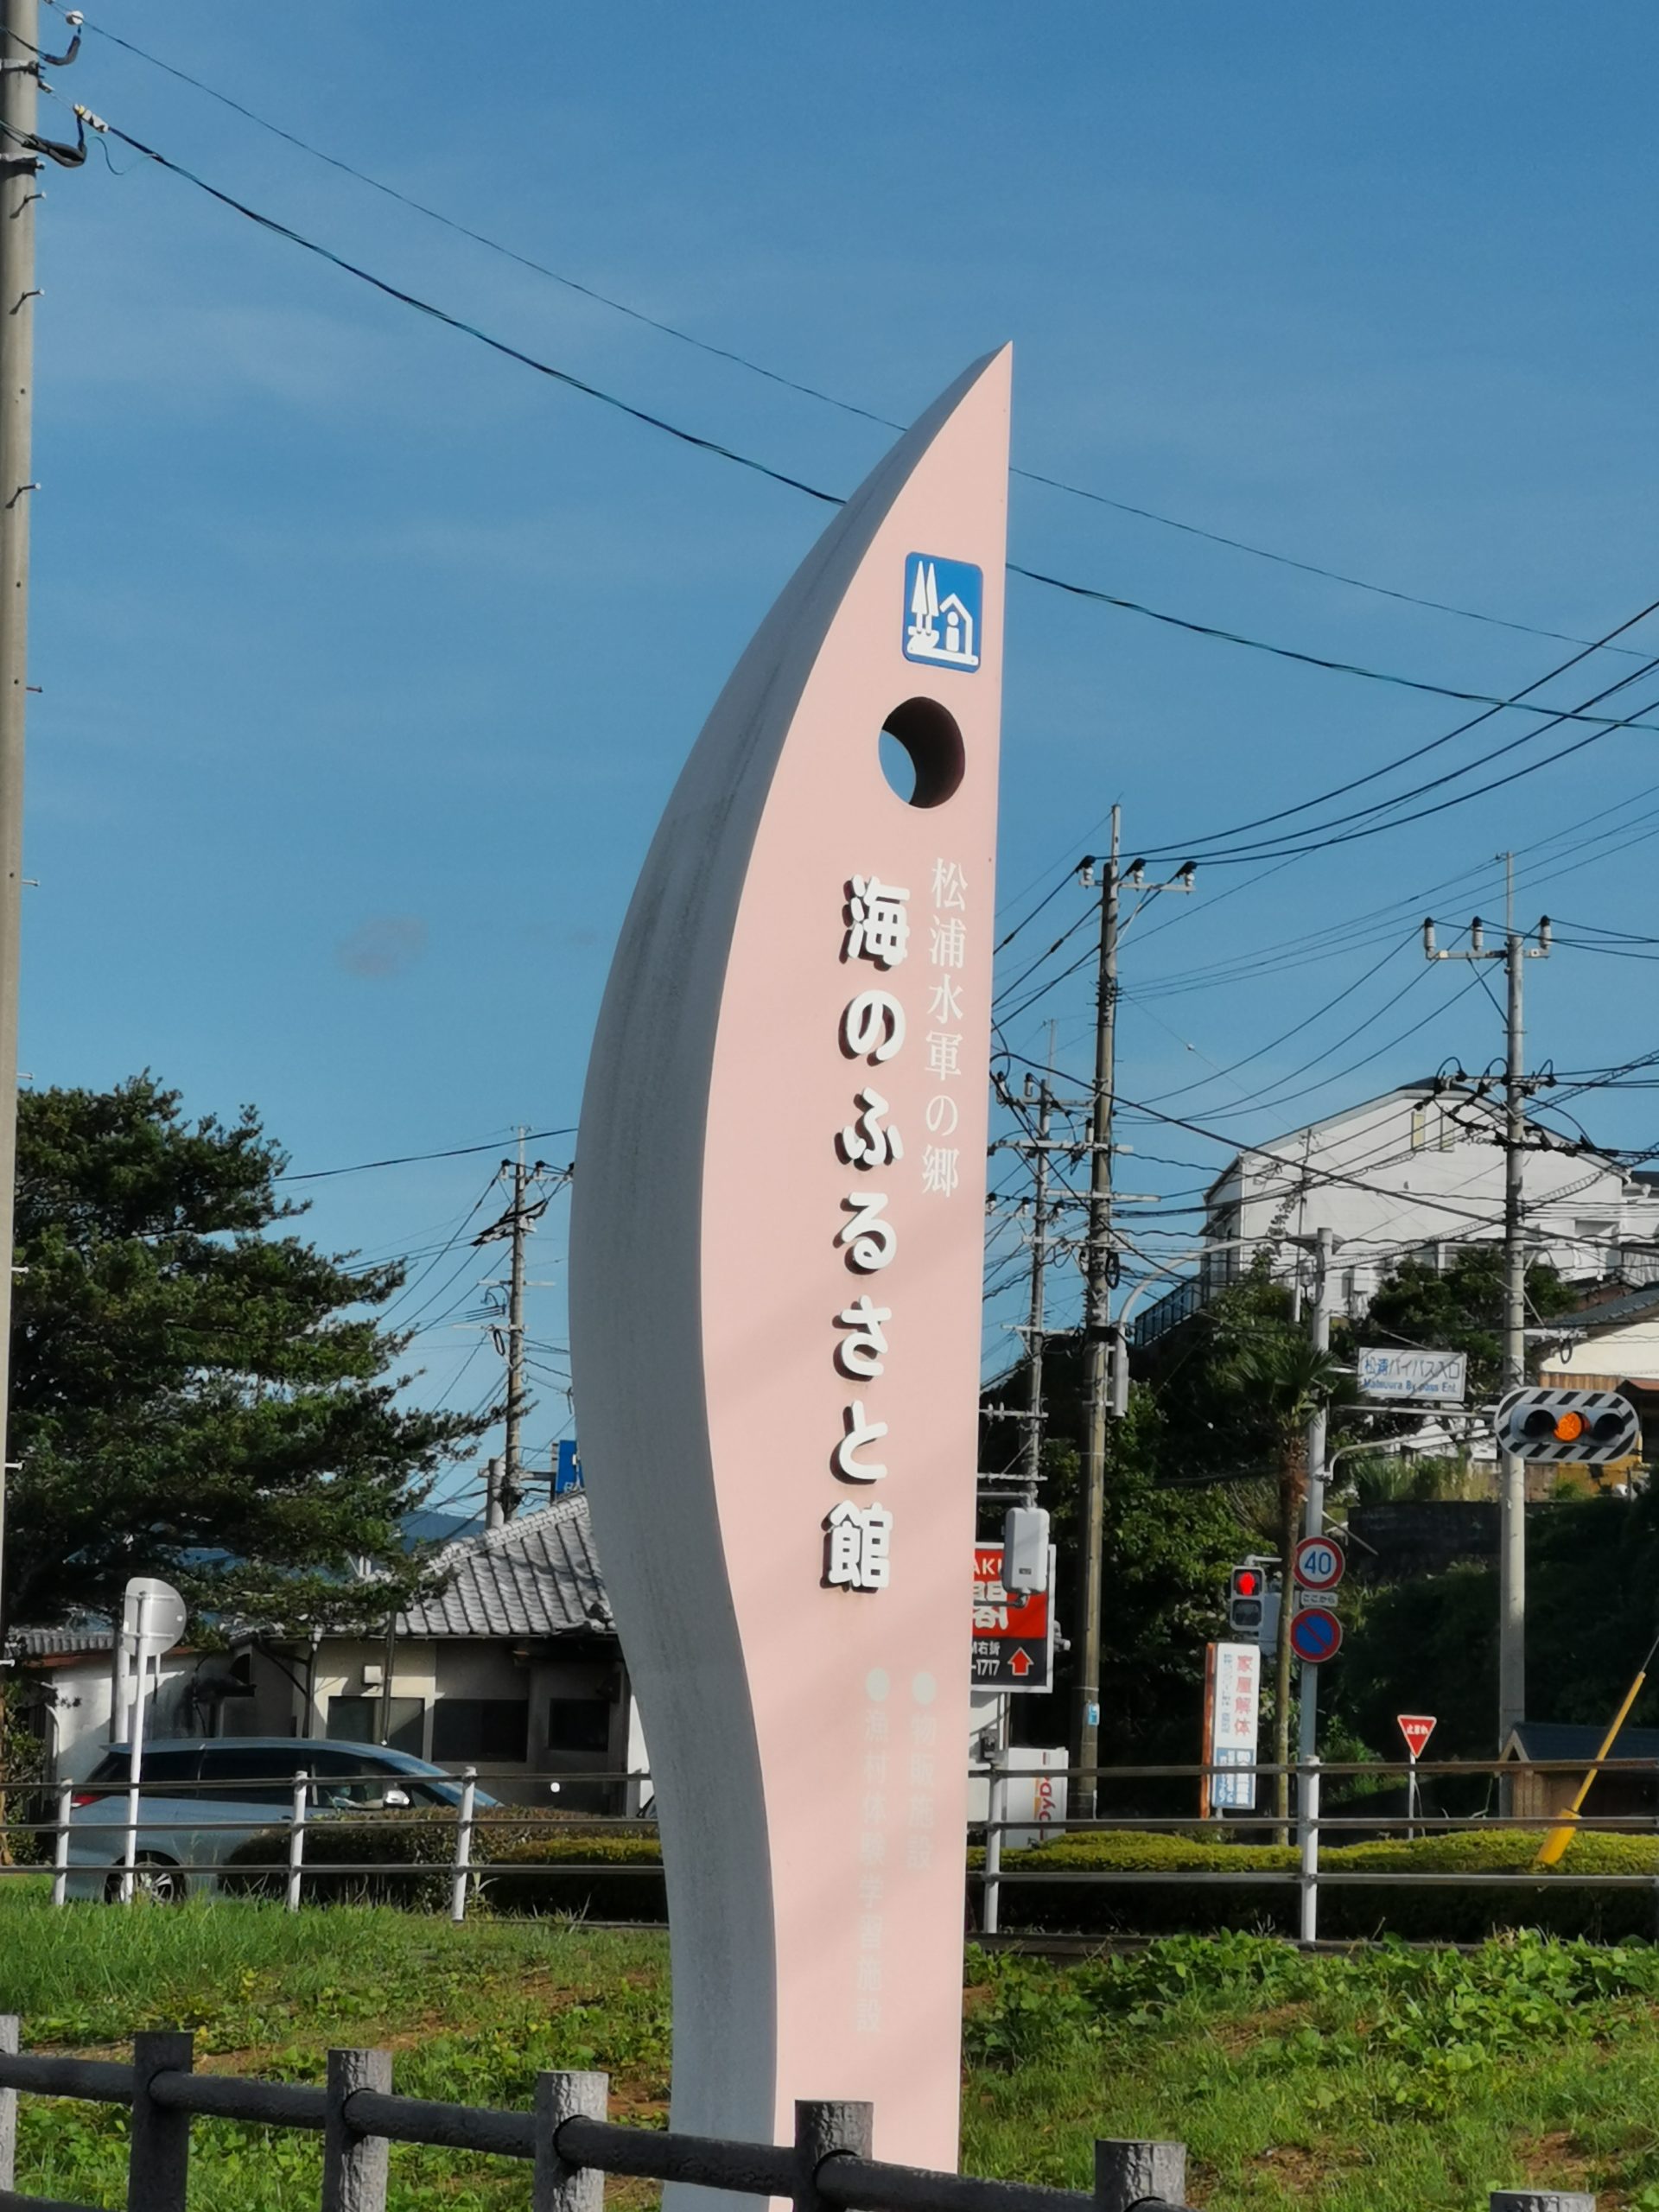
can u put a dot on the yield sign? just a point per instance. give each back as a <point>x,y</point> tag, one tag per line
<point>1416,1728</point>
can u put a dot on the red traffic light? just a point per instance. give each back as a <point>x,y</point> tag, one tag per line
<point>1247,1582</point>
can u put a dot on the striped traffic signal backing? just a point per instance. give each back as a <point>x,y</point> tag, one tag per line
<point>1585,1426</point>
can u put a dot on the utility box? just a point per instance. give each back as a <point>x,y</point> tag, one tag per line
<point>1025,1548</point>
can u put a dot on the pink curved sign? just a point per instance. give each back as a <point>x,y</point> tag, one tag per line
<point>775,1306</point>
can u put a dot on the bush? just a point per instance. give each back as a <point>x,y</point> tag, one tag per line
<point>406,1857</point>
<point>1444,1913</point>
<point>602,1875</point>
<point>542,1874</point>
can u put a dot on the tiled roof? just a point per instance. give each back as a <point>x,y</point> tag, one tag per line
<point>537,1576</point>
<point>67,1642</point>
<point>1629,1307</point>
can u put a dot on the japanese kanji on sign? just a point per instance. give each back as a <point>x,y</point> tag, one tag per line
<point>775,1313</point>
<point>1014,1630</point>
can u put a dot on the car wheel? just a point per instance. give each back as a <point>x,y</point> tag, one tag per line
<point>155,1881</point>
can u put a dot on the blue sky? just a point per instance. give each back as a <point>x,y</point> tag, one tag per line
<point>369,658</point>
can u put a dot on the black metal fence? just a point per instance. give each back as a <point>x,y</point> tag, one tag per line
<point>565,2138</point>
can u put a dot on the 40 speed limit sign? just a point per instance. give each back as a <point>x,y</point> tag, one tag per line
<point>1319,1564</point>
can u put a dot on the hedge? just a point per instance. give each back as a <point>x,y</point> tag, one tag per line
<point>539,1868</point>
<point>1442,1913</point>
<point>406,1860</point>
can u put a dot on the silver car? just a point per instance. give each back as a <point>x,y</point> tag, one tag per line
<point>198,1800</point>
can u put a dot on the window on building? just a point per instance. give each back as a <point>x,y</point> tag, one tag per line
<point>357,1721</point>
<point>480,1728</point>
<point>578,1723</point>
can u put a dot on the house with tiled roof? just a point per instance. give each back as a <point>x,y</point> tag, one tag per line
<point>509,1664</point>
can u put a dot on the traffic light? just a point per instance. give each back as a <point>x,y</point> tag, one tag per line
<point>1244,1601</point>
<point>1587,1426</point>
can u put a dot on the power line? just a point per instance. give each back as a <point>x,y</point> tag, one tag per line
<point>407,1158</point>
<point>720,451</point>
<point>792,383</point>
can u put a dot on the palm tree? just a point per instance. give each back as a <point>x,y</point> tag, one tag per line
<point>1286,1380</point>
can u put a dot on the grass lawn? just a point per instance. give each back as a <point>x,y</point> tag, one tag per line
<point>1394,2081</point>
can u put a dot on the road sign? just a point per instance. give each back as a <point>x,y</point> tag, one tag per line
<point>1314,1601</point>
<point>1232,1724</point>
<point>153,1614</point>
<point>1320,1563</point>
<point>1014,1630</point>
<point>1588,1427</point>
<point>1433,1378</point>
<point>1416,1728</point>
<point>1316,1637</point>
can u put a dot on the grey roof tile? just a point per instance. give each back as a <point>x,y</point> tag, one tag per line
<point>538,1576</point>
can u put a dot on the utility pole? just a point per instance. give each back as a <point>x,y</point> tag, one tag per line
<point>1097,1334</point>
<point>513,1488</point>
<point>1031,1457</point>
<point>504,1487</point>
<point>1512,1491</point>
<point>19,167</point>
<point>1307,1802</point>
<point>1100,1271</point>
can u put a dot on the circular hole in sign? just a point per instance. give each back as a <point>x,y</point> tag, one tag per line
<point>921,753</point>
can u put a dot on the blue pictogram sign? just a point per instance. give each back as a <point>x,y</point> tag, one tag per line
<point>1316,1637</point>
<point>943,605</point>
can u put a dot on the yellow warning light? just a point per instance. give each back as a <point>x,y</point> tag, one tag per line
<point>1569,1427</point>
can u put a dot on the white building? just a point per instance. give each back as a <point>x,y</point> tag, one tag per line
<point>1416,1173</point>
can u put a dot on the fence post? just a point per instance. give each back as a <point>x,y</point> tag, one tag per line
<point>354,2165</point>
<point>1307,1805</point>
<point>823,2129</point>
<point>10,2028</point>
<point>1542,2200</point>
<point>556,2186</point>
<point>61,1843</point>
<point>1128,2174</point>
<point>462,1881</point>
<point>158,2160</point>
<point>296,1840</point>
<point>990,1910</point>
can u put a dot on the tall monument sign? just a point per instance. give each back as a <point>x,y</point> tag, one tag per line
<point>775,1302</point>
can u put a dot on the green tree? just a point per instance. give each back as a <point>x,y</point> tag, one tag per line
<point>1430,1645</point>
<point>1460,1308</point>
<point>197,1391</point>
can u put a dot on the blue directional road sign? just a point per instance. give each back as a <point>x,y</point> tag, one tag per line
<point>1316,1637</point>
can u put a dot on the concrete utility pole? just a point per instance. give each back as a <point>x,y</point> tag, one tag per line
<point>1512,1495</point>
<point>513,1488</point>
<point>1097,1335</point>
<point>1031,1457</point>
<point>1100,1271</point>
<point>515,1225</point>
<point>19,167</point>
<point>1313,1525</point>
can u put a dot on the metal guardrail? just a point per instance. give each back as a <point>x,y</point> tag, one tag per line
<point>298,1842</point>
<point>566,2139</point>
